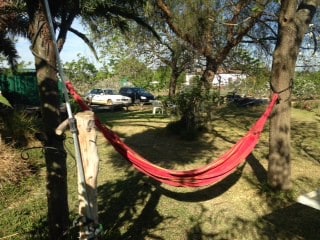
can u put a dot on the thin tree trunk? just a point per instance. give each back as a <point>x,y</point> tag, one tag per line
<point>294,22</point>
<point>210,71</point>
<point>173,83</point>
<point>55,155</point>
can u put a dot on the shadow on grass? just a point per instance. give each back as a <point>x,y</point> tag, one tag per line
<point>128,208</point>
<point>204,194</point>
<point>157,147</point>
<point>295,221</point>
<point>259,171</point>
<point>288,219</point>
<point>301,133</point>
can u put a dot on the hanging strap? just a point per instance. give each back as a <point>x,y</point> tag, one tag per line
<point>283,90</point>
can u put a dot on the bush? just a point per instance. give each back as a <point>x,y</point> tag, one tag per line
<point>306,86</point>
<point>309,105</point>
<point>190,105</point>
<point>18,127</point>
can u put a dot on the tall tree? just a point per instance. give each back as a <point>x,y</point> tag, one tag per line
<point>30,17</point>
<point>294,20</point>
<point>212,28</point>
<point>43,49</point>
<point>42,46</point>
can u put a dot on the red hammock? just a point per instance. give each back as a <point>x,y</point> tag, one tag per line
<point>207,175</point>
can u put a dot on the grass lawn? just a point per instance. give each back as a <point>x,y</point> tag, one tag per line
<point>132,206</point>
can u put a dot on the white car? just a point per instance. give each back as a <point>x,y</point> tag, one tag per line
<point>107,97</point>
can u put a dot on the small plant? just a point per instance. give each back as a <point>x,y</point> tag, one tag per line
<point>17,127</point>
<point>4,101</point>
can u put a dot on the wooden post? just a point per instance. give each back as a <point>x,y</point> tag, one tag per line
<point>90,160</point>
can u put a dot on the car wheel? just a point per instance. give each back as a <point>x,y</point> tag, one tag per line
<point>109,102</point>
<point>88,101</point>
<point>137,101</point>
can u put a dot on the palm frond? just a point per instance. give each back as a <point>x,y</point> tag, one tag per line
<point>85,39</point>
<point>8,50</point>
<point>13,19</point>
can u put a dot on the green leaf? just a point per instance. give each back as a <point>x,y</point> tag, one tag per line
<point>4,101</point>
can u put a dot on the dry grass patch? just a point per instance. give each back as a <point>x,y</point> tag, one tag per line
<point>12,167</point>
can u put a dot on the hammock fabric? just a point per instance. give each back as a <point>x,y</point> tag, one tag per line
<point>204,176</point>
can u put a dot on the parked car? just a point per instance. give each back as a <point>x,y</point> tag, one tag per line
<point>137,95</point>
<point>107,97</point>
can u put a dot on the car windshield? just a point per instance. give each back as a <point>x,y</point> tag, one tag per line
<point>140,90</point>
<point>110,92</point>
<point>95,91</point>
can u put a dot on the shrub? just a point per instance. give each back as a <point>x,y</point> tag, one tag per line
<point>18,127</point>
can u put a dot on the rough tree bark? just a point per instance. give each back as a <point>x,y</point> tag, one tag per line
<point>55,155</point>
<point>173,82</point>
<point>294,21</point>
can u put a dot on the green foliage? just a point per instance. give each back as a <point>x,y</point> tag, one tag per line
<point>243,60</point>
<point>81,70</point>
<point>162,77</point>
<point>191,103</point>
<point>135,71</point>
<point>257,84</point>
<point>83,73</point>
<point>306,90</point>
<point>307,86</point>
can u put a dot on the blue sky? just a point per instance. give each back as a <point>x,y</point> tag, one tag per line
<point>72,47</point>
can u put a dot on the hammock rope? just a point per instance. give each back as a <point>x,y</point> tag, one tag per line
<point>204,176</point>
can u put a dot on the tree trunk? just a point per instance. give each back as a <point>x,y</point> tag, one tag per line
<point>173,83</point>
<point>210,71</point>
<point>55,155</point>
<point>293,23</point>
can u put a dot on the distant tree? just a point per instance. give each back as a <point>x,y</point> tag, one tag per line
<point>82,73</point>
<point>8,50</point>
<point>134,71</point>
<point>220,27</point>
<point>168,51</point>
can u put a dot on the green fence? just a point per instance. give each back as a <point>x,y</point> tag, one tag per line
<point>21,88</point>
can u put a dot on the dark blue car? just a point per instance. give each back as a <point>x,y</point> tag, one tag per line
<point>138,95</point>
